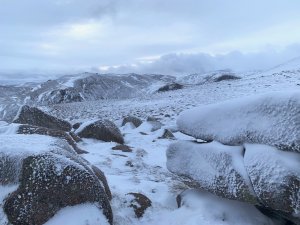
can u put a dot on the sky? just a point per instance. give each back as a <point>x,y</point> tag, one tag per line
<point>43,37</point>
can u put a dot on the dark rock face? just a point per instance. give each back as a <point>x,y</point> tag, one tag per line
<point>132,119</point>
<point>76,126</point>
<point>36,117</point>
<point>226,77</point>
<point>102,178</point>
<point>103,130</point>
<point>170,87</point>
<point>167,135</point>
<point>139,203</point>
<point>63,96</point>
<point>70,138</point>
<point>49,183</point>
<point>123,148</point>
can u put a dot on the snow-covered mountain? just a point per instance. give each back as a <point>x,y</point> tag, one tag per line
<point>87,87</point>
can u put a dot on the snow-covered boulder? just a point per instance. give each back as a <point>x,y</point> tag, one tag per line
<point>50,175</point>
<point>272,119</point>
<point>132,119</point>
<point>36,117</point>
<point>213,167</point>
<point>103,130</point>
<point>275,176</point>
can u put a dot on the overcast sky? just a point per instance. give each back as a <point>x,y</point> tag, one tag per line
<point>161,36</point>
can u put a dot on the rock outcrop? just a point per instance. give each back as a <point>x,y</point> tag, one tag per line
<point>103,130</point>
<point>36,117</point>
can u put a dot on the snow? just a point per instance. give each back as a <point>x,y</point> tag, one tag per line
<point>26,144</point>
<point>206,209</point>
<point>84,214</point>
<point>264,119</point>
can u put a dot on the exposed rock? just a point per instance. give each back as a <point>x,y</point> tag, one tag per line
<point>76,125</point>
<point>123,148</point>
<point>275,176</point>
<point>239,121</point>
<point>226,77</point>
<point>103,179</point>
<point>139,203</point>
<point>152,119</point>
<point>213,167</point>
<point>75,136</point>
<point>103,130</point>
<point>132,119</point>
<point>170,87</point>
<point>167,135</point>
<point>51,177</point>
<point>36,117</point>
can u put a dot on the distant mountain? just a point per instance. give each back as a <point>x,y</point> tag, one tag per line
<point>77,88</point>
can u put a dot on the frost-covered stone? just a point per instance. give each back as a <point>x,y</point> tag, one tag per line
<point>139,202</point>
<point>36,117</point>
<point>103,130</point>
<point>214,167</point>
<point>275,176</point>
<point>132,119</point>
<point>50,176</point>
<point>272,119</point>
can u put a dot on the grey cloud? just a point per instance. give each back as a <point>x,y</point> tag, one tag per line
<point>200,63</point>
<point>34,34</point>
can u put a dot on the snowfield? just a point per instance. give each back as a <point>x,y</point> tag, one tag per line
<point>144,170</point>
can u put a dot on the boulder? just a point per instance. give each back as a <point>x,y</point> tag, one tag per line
<point>270,119</point>
<point>132,119</point>
<point>167,135</point>
<point>275,176</point>
<point>123,148</point>
<point>170,87</point>
<point>51,176</point>
<point>103,130</point>
<point>36,117</point>
<point>139,203</point>
<point>213,167</point>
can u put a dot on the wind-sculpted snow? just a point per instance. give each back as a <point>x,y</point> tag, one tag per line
<point>215,167</point>
<point>272,119</point>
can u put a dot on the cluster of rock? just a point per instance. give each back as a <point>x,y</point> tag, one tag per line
<point>39,152</point>
<point>251,152</point>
